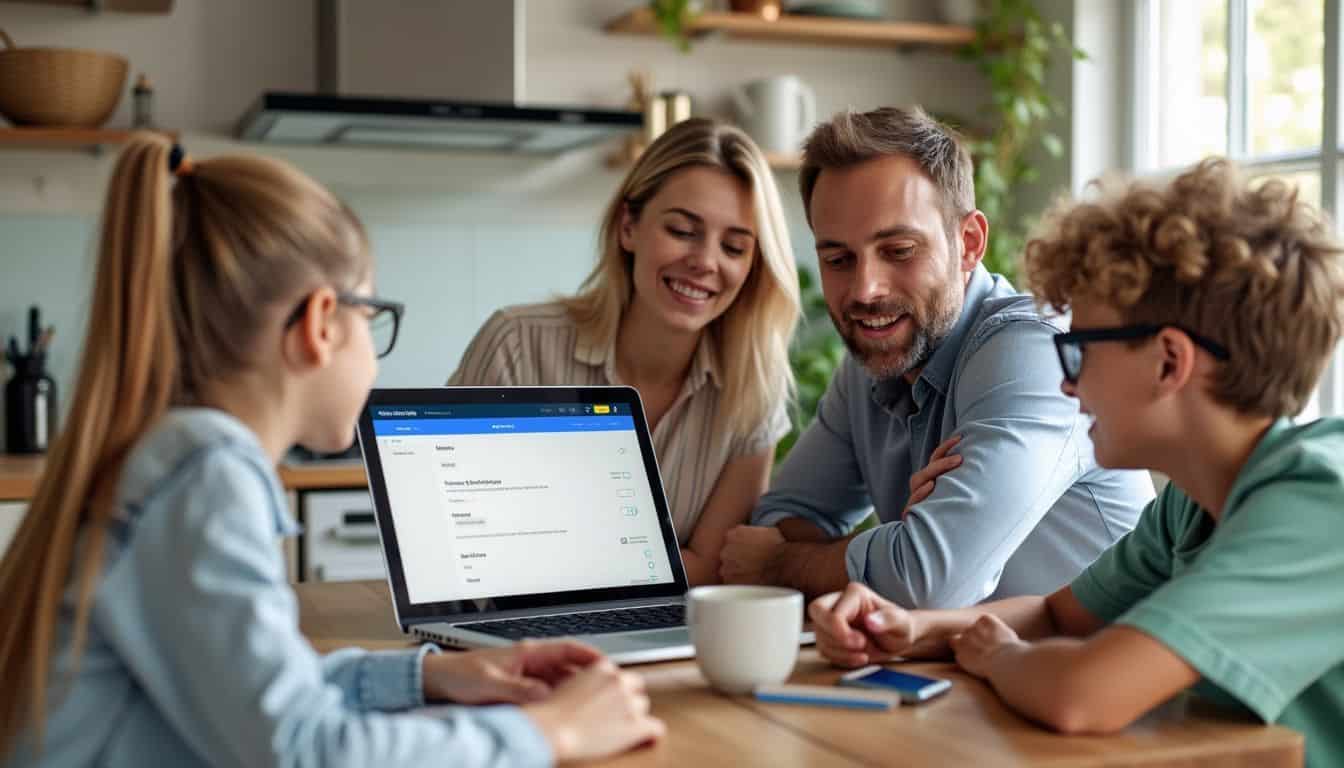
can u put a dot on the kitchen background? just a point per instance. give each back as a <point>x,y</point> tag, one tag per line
<point>458,234</point>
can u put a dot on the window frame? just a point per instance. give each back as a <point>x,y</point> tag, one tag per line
<point>1325,159</point>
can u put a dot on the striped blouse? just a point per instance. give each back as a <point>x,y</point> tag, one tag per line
<point>540,345</point>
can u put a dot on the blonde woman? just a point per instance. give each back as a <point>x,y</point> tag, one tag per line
<point>693,301</point>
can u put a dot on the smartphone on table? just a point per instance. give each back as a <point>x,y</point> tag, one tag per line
<point>912,688</point>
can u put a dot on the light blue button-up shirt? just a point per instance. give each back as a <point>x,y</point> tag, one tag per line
<point>1026,510</point>
<point>194,655</point>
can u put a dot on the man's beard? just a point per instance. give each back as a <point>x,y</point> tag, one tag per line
<point>932,323</point>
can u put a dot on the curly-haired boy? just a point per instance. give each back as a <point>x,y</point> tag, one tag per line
<point>1203,313</point>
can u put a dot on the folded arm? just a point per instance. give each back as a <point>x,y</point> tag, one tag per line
<point>1019,455</point>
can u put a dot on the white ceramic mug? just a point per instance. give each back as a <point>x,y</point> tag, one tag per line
<point>744,636</point>
<point>778,112</point>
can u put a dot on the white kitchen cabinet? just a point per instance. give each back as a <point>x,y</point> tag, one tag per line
<point>11,514</point>
<point>340,537</point>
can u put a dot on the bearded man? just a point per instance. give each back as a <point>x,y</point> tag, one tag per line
<point>946,418</point>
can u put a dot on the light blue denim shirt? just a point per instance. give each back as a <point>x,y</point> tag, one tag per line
<point>1025,512</point>
<point>194,655</point>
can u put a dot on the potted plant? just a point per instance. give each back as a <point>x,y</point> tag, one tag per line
<point>1012,48</point>
<point>814,355</point>
<point>673,17</point>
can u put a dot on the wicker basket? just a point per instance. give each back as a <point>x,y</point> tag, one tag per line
<point>59,87</point>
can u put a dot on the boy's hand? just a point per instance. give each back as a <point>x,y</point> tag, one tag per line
<point>857,627</point>
<point>975,648</point>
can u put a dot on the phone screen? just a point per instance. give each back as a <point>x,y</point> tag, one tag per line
<point>899,680</point>
<point>913,688</point>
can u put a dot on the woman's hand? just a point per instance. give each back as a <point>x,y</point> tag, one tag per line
<point>976,647</point>
<point>518,674</point>
<point>940,463</point>
<point>598,711</point>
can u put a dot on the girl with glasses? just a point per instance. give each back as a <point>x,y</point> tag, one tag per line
<point>147,610</point>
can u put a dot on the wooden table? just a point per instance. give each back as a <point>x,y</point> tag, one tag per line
<point>966,727</point>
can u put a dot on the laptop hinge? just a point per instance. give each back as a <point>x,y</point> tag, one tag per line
<point>567,608</point>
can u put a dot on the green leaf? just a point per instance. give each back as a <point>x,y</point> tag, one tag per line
<point>1035,69</point>
<point>1013,49</point>
<point>1022,111</point>
<point>672,18</point>
<point>991,176</point>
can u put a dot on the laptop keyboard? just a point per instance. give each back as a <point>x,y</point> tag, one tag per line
<point>594,623</point>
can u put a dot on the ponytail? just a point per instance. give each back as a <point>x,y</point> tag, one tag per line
<point>167,274</point>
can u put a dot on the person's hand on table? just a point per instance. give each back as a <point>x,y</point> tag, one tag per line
<point>584,705</point>
<point>598,711</point>
<point>857,627</point>
<point>976,647</point>
<point>517,674</point>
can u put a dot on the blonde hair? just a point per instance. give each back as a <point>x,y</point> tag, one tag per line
<point>752,336</point>
<point>1250,267</point>
<point>850,138</point>
<point>188,275</point>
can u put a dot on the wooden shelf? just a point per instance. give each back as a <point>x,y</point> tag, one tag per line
<point>18,476</point>
<point>793,28</point>
<point>93,139</point>
<point>322,474</point>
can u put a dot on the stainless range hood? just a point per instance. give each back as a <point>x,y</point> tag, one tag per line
<point>296,118</point>
<point>447,74</point>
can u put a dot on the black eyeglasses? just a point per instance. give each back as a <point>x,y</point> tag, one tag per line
<point>384,322</point>
<point>1070,345</point>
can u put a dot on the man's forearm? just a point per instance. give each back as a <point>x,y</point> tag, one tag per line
<point>798,529</point>
<point>812,568</point>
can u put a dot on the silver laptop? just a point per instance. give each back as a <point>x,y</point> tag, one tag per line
<point>521,512</point>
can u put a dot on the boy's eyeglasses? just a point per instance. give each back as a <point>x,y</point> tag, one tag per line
<point>1070,345</point>
<point>384,321</point>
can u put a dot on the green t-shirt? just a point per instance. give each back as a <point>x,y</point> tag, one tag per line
<point>1255,603</point>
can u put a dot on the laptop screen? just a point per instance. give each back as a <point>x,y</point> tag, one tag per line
<point>499,499</point>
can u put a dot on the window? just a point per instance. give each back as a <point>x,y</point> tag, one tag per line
<point>1256,80</point>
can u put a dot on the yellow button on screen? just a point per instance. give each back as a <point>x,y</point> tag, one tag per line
<point>601,409</point>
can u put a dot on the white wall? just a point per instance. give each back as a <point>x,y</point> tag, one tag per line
<point>11,515</point>
<point>207,60</point>
<point>455,235</point>
<point>1100,90</point>
<point>1092,97</point>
